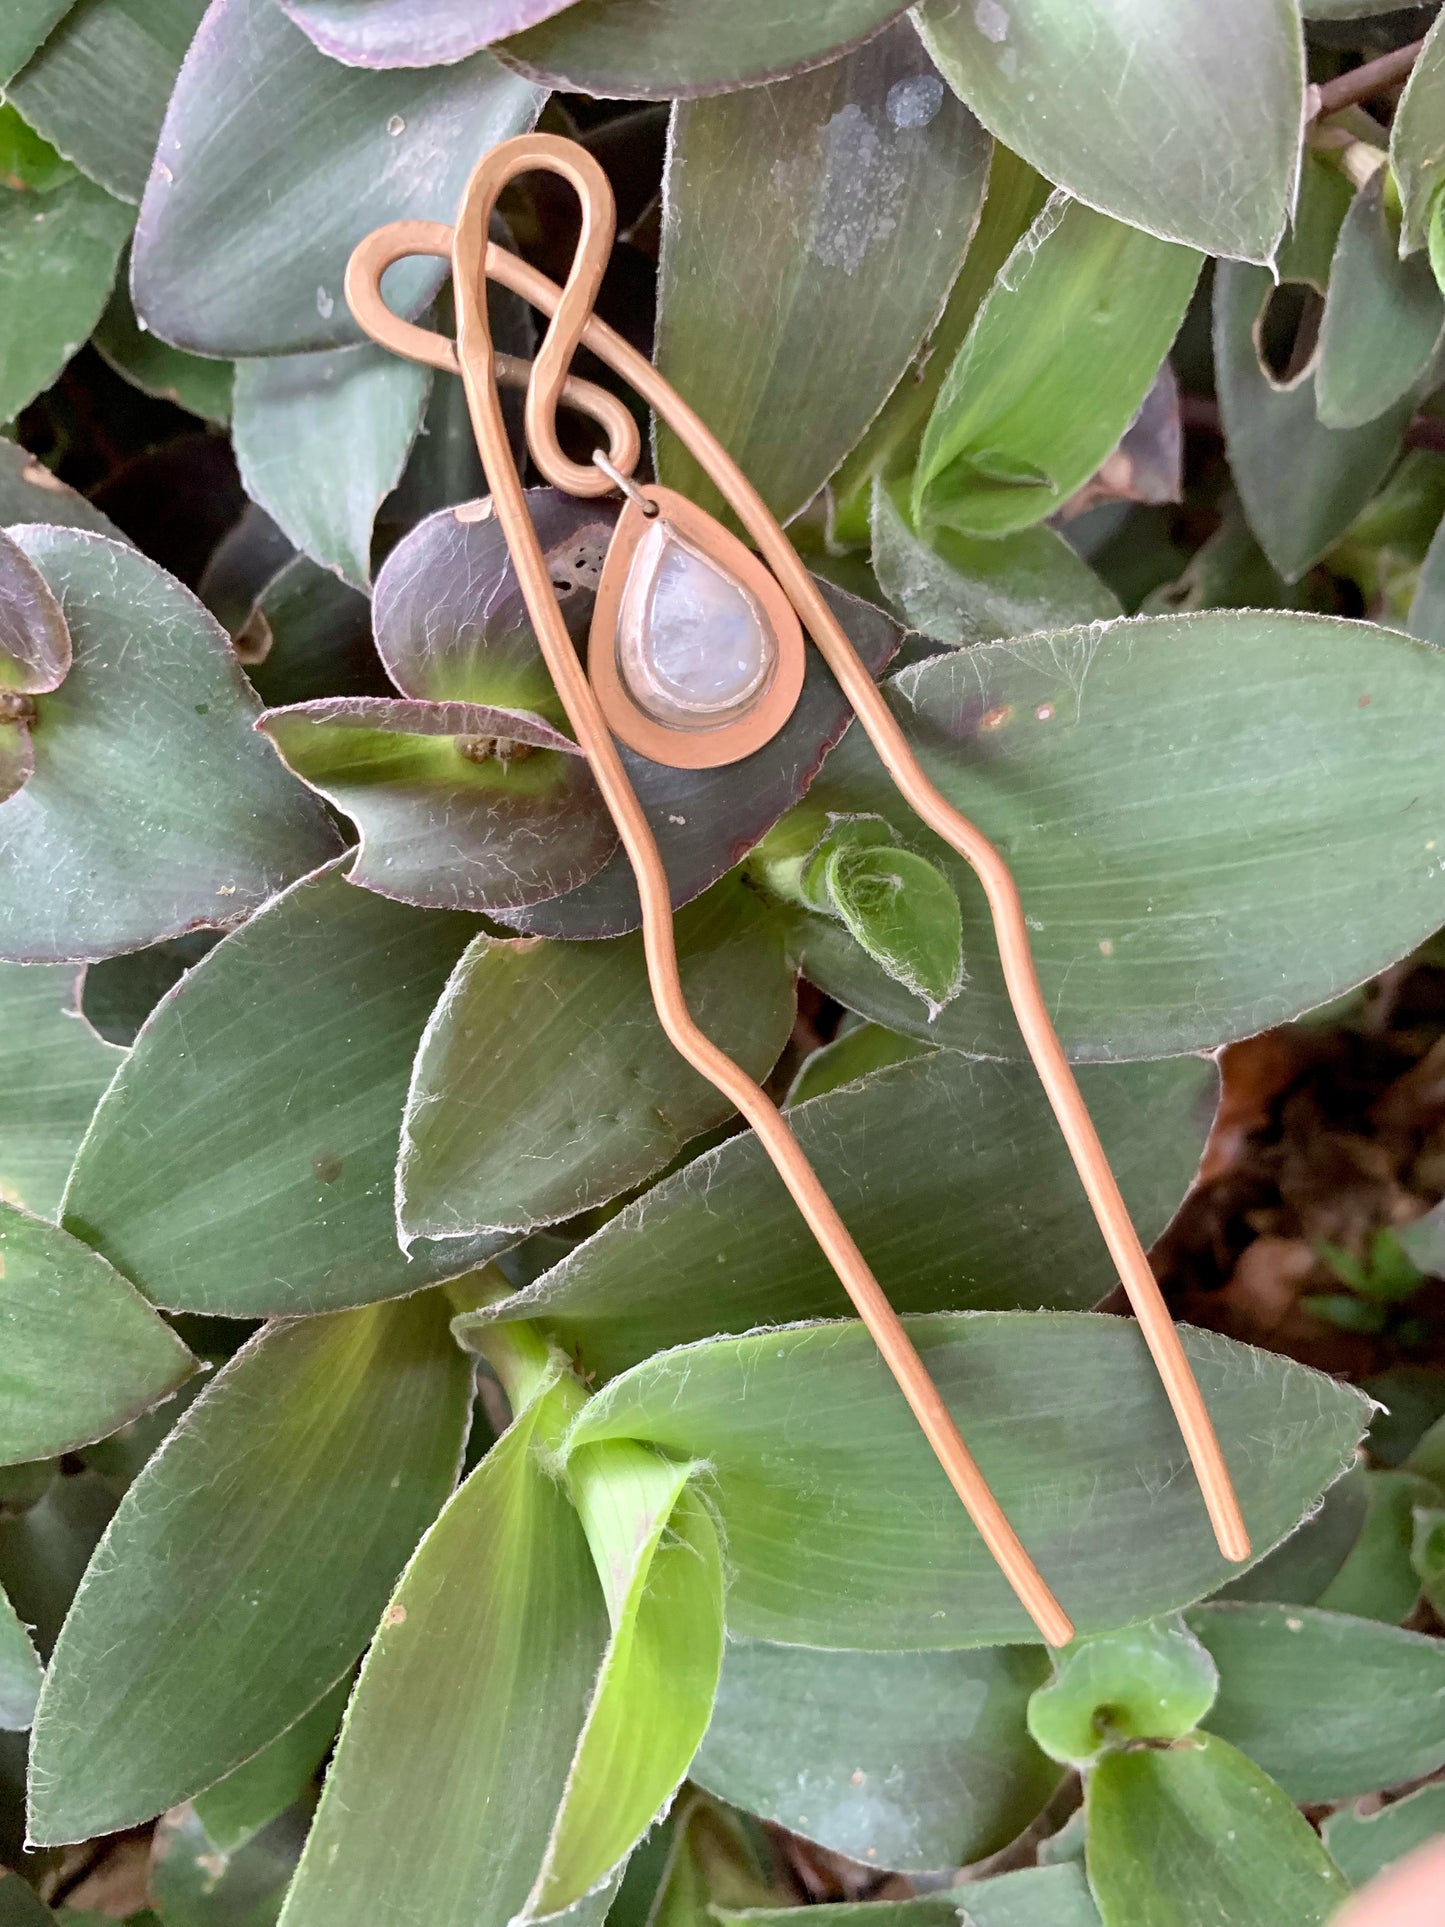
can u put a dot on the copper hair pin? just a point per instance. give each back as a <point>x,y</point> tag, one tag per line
<point>607,698</point>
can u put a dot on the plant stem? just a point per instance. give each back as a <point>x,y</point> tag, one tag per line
<point>1361,82</point>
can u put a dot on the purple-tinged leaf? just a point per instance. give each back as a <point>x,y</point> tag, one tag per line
<point>152,808</point>
<point>460,806</point>
<point>34,641</point>
<point>413,33</point>
<point>451,625</point>
<point>674,49</point>
<point>274,162</point>
<point>34,657</point>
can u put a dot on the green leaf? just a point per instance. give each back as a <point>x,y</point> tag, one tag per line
<point>120,1456</point>
<point>148,363</point>
<point>242,243</point>
<point>196,1883</point>
<point>1149,1682</point>
<point>463,1727</point>
<point>1194,1834</point>
<point>1377,1580</point>
<point>1382,318</point>
<point>951,1175</point>
<point>1197,810</point>
<point>20,1905</point>
<point>1055,367</point>
<point>1297,1572</point>
<point>1184,124</point>
<point>874,174</point>
<point>23,26</point>
<point>1329,1706</point>
<point>660,49</point>
<point>656,1550</point>
<point>249,1798</point>
<point>853,1054</point>
<point>1427,1456</point>
<point>27,160</point>
<point>460,806</point>
<point>313,635</point>
<point>1417,139</point>
<point>1302,483</point>
<point>25,1485</point>
<point>1364,1844</point>
<point>1424,1240</point>
<point>852,1536</point>
<point>84,1352</point>
<point>1436,240</point>
<point>119,993</point>
<point>111,846</point>
<point>58,253</point>
<point>1228,571</point>
<point>906,1760</point>
<point>98,87</point>
<point>1427,1552</point>
<point>544,1086</point>
<point>711,1857</point>
<point>1033,1897</point>
<point>53,1069</point>
<point>44,1552</point>
<point>30,492</point>
<point>249,556</point>
<point>20,1674</point>
<point>322,439</point>
<point>248,1563</point>
<point>887,449</point>
<point>1411,1398</point>
<point>964,588</point>
<point>242,1162</point>
<point>902,909</point>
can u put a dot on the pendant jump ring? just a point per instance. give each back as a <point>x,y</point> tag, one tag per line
<point>625,485</point>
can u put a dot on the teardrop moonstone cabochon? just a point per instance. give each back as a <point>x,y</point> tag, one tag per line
<point>696,655</point>
<point>694,648</point>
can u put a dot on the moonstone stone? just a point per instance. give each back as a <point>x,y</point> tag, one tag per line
<point>694,647</point>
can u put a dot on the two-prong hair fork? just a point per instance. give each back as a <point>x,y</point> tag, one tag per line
<point>634,689</point>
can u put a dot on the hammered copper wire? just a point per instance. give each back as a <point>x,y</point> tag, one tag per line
<point>475,259</point>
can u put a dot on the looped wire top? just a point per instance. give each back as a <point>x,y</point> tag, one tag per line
<point>584,278</point>
<point>474,257</point>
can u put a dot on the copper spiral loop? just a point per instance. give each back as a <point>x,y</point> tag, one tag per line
<point>572,323</point>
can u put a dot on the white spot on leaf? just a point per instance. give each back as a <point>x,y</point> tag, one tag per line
<point>914,102</point>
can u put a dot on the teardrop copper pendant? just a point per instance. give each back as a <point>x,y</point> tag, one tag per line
<point>695,654</point>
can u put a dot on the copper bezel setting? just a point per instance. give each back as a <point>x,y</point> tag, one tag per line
<point>681,748</point>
